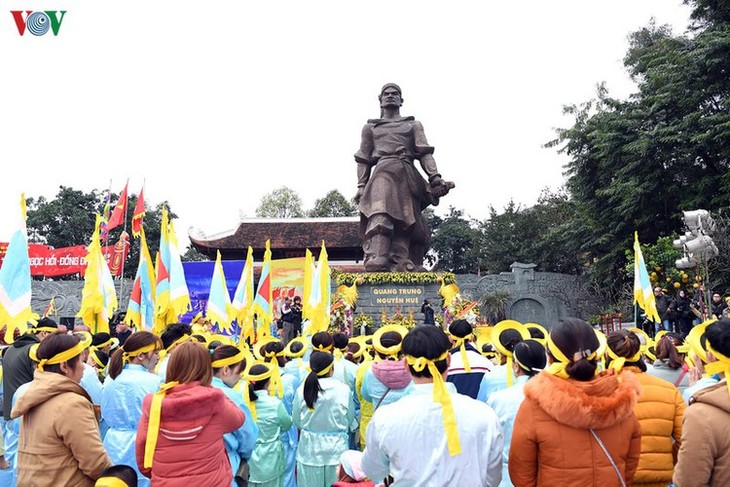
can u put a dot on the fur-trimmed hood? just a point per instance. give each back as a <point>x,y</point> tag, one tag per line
<point>599,403</point>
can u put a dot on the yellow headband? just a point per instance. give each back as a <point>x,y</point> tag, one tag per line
<point>441,396</point>
<point>497,345</point>
<point>220,363</point>
<point>460,343</point>
<point>96,359</point>
<point>49,329</point>
<point>393,350</point>
<point>561,361</point>
<point>110,482</point>
<point>300,353</point>
<point>66,354</point>
<point>321,348</point>
<point>153,429</point>
<point>147,348</point>
<point>617,362</point>
<point>256,378</point>
<point>180,340</point>
<point>102,345</point>
<point>722,366</point>
<point>326,370</point>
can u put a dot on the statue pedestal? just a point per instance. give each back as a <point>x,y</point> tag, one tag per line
<point>390,298</point>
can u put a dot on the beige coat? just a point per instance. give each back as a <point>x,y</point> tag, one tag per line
<point>59,440</point>
<point>704,457</point>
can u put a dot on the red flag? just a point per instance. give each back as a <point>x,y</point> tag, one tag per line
<point>120,210</point>
<point>138,214</point>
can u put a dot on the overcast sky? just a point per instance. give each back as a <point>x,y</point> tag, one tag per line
<point>212,104</point>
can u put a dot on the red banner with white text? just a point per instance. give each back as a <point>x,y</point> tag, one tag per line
<point>45,261</point>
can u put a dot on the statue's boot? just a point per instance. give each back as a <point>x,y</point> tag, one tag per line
<point>378,251</point>
<point>400,255</point>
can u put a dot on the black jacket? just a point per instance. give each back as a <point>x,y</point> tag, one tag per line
<point>18,369</point>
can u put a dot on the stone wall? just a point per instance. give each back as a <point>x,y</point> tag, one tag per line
<point>67,296</point>
<point>538,297</point>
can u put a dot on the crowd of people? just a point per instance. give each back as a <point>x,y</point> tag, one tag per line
<point>679,313</point>
<point>423,407</point>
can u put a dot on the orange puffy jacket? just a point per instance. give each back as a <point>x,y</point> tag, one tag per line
<point>552,443</point>
<point>660,411</point>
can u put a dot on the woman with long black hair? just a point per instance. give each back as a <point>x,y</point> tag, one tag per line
<point>130,379</point>
<point>324,411</point>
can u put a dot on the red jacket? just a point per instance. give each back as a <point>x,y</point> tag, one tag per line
<point>190,449</point>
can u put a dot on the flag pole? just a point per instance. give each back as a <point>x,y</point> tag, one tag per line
<point>124,247</point>
<point>106,217</point>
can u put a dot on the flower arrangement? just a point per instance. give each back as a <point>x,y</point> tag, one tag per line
<point>398,318</point>
<point>458,307</point>
<point>374,278</point>
<point>342,310</point>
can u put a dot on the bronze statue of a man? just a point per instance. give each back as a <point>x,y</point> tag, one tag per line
<point>392,194</point>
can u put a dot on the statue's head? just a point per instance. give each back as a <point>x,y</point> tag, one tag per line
<point>390,95</point>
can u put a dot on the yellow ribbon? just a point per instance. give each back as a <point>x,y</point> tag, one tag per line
<point>510,373</point>
<point>102,345</point>
<point>49,329</point>
<point>66,354</point>
<point>269,374</point>
<point>461,343</point>
<point>338,353</point>
<point>134,353</point>
<point>153,429</point>
<point>321,348</point>
<point>441,396</point>
<point>326,370</point>
<point>722,366</point>
<point>251,404</point>
<point>617,362</point>
<point>110,482</point>
<point>96,359</point>
<point>275,386</point>
<point>220,363</point>
<point>391,351</point>
<point>168,349</point>
<point>557,368</point>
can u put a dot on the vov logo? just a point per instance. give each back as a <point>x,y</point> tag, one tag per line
<point>38,23</point>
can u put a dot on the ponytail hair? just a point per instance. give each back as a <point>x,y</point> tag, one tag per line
<point>135,342</point>
<point>625,344</point>
<point>320,363</point>
<point>257,369</point>
<point>575,338</point>
<point>665,349</point>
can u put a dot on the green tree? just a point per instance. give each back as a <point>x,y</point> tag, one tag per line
<point>68,220</point>
<point>65,221</point>
<point>334,204</point>
<point>280,203</point>
<point>636,163</point>
<point>456,243</point>
<point>192,255</point>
